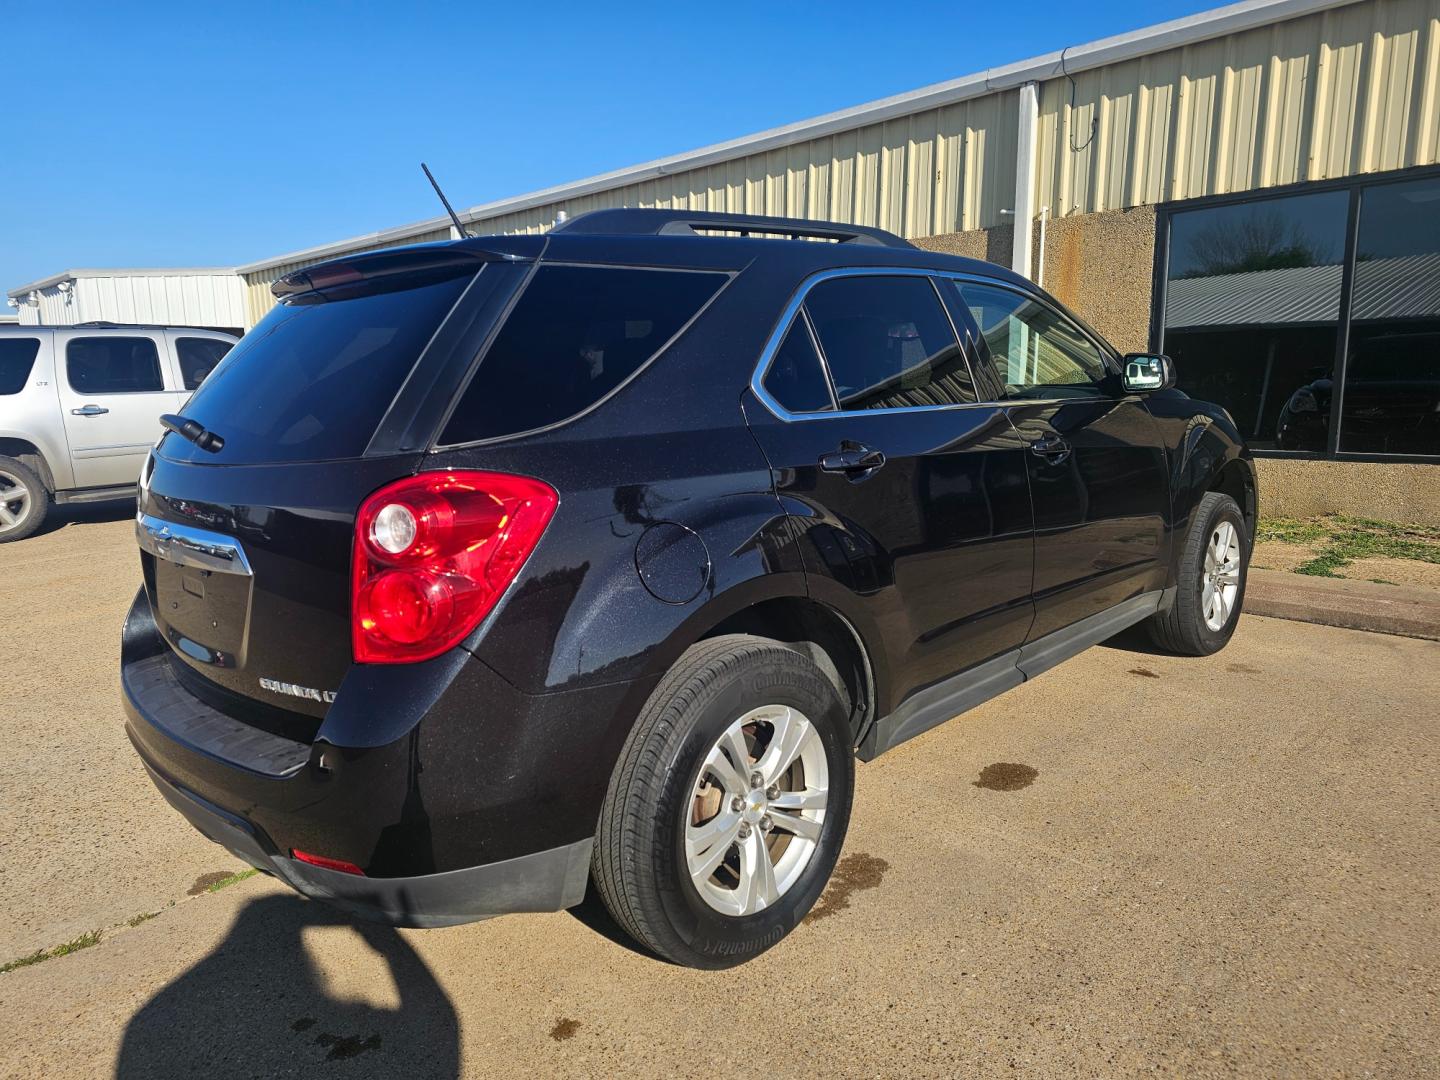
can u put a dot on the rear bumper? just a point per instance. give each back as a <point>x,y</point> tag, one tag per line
<point>543,881</point>
<point>459,796</point>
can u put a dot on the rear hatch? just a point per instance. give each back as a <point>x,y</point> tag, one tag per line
<point>246,548</point>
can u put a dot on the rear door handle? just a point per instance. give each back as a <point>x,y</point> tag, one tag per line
<point>853,459</point>
<point>89,410</point>
<point>1053,448</point>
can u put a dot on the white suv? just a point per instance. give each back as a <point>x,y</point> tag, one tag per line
<point>80,406</point>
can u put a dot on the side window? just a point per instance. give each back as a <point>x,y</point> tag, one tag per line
<point>795,379</point>
<point>576,334</point>
<point>1035,350</point>
<point>17,356</point>
<point>889,343</point>
<point>113,365</point>
<point>198,357</point>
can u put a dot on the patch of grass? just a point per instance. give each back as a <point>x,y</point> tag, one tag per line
<point>84,941</point>
<point>1342,540</point>
<point>241,875</point>
<point>25,961</point>
<point>144,916</point>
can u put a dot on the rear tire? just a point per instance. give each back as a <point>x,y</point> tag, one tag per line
<point>24,501</point>
<point>678,861</point>
<point>1210,581</point>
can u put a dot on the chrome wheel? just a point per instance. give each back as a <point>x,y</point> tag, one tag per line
<point>14,502</point>
<point>755,813</point>
<point>1220,575</point>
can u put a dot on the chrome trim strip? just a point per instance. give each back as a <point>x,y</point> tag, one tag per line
<point>787,317</point>
<point>189,546</point>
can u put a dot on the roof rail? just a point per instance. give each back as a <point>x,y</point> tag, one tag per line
<point>693,222</point>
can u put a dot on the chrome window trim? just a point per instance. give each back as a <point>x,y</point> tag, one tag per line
<point>787,317</point>
<point>1108,356</point>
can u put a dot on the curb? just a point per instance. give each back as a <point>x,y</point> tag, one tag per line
<point>1354,605</point>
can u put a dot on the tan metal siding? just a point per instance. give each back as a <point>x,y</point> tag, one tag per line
<point>258,298</point>
<point>1347,91</point>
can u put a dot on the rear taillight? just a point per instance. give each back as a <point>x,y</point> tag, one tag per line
<point>433,553</point>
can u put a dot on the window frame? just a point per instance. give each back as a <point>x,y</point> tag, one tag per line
<point>1109,358</point>
<point>160,362</point>
<point>795,308</point>
<point>962,322</point>
<point>1355,186</point>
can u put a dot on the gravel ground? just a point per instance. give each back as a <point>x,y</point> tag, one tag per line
<point>1134,864</point>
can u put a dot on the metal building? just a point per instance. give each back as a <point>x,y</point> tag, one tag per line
<point>213,298</point>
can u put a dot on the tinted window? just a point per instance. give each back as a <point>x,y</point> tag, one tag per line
<point>17,355</point>
<point>198,357</point>
<point>313,379</point>
<point>576,334</point>
<point>1252,309</point>
<point>888,342</point>
<point>795,379</point>
<point>1392,378</point>
<point>1035,351</point>
<point>113,365</point>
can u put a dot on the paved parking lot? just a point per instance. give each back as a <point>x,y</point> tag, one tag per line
<point>1136,863</point>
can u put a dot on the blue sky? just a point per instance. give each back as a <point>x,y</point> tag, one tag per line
<point>216,134</point>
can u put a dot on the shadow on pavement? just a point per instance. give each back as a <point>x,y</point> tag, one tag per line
<point>259,1006</point>
<point>62,516</point>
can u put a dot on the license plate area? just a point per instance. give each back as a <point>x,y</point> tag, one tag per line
<point>203,585</point>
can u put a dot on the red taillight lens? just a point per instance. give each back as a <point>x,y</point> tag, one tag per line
<point>433,553</point>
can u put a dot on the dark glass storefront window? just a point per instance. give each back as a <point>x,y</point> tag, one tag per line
<point>1252,310</point>
<point>1391,401</point>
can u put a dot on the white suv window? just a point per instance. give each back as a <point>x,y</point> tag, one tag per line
<point>17,356</point>
<point>113,365</point>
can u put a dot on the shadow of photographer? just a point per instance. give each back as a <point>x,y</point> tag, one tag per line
<point>258,1005</point>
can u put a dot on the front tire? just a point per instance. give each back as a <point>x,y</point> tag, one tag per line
<point>24,501</point>
<point>729,804</point>
<point>1210,581</point>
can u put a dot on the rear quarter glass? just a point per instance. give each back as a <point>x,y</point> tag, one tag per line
<point>576,334</point>
<point>314,378</point>
<point>17,357</point>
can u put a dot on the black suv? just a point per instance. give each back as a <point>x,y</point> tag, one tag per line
<point>479,570</point>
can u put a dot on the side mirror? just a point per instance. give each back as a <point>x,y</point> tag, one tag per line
<point>1147,372</point>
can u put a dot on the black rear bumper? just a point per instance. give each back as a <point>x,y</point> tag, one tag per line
<point>486,802</point>
<point>543,881</point>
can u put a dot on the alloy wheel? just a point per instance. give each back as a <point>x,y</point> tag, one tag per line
<point>754,817</point>
<point>14,502</point>
<point>1220,575</point>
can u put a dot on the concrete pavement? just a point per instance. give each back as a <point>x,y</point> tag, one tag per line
<point>1135,863</point>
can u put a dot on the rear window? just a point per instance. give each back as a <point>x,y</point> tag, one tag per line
<point>17,356</point>
<point>198,357</point>
<point>313,380</point>
<point>576,334</point>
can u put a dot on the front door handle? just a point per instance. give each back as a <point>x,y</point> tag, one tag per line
<point>855,460</point>
<point>1053,448</point>
<point>89,410</point>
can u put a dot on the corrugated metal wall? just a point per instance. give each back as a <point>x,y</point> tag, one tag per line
<point>1348,91</point>
<point>1351,90</point>
<point>166,299</point>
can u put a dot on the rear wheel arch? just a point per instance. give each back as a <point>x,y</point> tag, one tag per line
<point>31,456</point>
<point>829,639</point>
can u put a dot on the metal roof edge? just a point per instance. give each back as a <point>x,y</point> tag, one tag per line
<point>128,271</point>
<point>1191,29</point>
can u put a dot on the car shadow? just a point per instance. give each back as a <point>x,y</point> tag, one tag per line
<point>259,1006</point>
<point>64,515</point>
<point>1135,639</point>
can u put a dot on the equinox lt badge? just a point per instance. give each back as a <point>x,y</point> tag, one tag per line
<point>276,687</point>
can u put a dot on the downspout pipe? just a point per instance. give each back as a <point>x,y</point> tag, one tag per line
<point>1025,177</point>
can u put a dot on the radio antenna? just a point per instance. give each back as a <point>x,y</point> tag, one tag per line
<point>448,208</point>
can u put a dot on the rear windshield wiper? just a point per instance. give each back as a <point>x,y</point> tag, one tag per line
<point>194,431</point>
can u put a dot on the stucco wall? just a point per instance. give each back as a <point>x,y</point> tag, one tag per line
<point>1098,264</point>
<point>1390,492</point>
